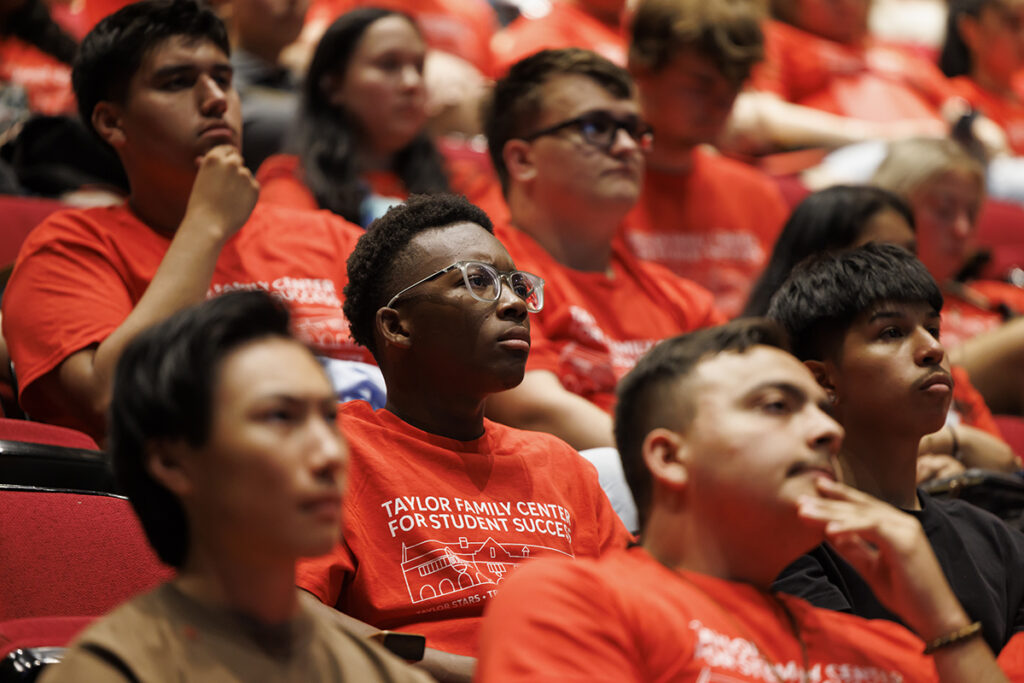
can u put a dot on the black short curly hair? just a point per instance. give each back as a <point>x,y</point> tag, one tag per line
<point>378,254</point>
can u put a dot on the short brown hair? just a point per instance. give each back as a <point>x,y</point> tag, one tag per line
<point>728,32</point>
<point>650,395</point>
<point>515,103</point>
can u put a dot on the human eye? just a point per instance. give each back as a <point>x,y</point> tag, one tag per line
<point>280,414</point>
<point>775,403</point>
<point>179,81</point>
<point>597,125</point>
<point>891,332</point>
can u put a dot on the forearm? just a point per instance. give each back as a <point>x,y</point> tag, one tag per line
<point>785,125</point>
<point>182,279</point>
<point>977,448</point>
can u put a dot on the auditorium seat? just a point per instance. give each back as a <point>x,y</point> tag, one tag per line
<point>68,557</point>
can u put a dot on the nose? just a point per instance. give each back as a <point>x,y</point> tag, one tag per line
<point>510,305</point>
<point>328,449</point>
<point>928,349</point>
<point>213,96</point>
<point>411,77</point>
<point>963,226</point>
<point>623,143</point>
<point>825,434</point>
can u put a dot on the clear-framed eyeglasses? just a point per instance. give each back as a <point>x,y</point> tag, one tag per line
<point>484,283</point>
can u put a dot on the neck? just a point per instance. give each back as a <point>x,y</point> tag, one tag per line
<point>883,465</point>
<point>581,241</point>
<point>678,539</point>
<point>436,412</point>
<point>160,203</point>
<point>1000,84</point>
<point>262,590</point>
<point>671,159</point>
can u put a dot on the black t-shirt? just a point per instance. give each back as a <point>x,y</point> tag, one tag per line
<point>982,558</point>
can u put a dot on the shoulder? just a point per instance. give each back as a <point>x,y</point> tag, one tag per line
<point>527,442</point>
<point>82,224</point>
<point>358,654</point>
<point>976,526</point>
<point>283,219</point>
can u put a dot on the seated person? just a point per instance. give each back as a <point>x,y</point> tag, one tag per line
<point>849,216</point>
<point>260,31</point>
<point>982,57</point>
<point>865,321</point>
<point>460,29</point>
<point>595,25</point>
<point>223,436</point>
<point>360,136</point>
<point>690,58</point>
<point>945,187</point>
<point>566,138</point>
<point>445,503</point>
<point>729,454</point>
<point>154,81</point>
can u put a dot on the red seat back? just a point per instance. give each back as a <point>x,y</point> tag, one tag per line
<point>70,554</point>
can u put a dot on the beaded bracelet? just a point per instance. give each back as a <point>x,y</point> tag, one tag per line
<point>956,636</point>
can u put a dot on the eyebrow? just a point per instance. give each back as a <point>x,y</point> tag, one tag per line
<point>887,314</point>
<point>176,69</point>
<point>788,388</point>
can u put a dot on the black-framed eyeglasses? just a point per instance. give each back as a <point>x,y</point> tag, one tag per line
<point>484,283</point>
<point>599,128</point>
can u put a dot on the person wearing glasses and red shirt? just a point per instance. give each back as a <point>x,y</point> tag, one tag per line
<point>444,503</point>
<point>567,141</point>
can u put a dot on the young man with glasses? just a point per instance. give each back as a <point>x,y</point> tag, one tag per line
<point>443,502</point>
<point>708,218</point>
<point>567,140</point>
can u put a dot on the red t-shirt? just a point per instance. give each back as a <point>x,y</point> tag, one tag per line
<point>460,27</point>
<point>625,617</point>
<point>81,272</point>
<point>565,25</point>
<point>873,82</point>
<point>1008,113</point>
<point>594,327</point>
<point>715,225</point>
<point>962,320</point>
<point>432,525</point>
<point>46,80</point>
<point>281,180</point>
<point>970,404</point>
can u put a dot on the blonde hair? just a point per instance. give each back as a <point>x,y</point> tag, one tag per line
<point>911,164</point>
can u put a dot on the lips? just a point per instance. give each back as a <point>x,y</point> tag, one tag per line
<point>937,381</point>
<point>802,468</point>
<point>219,129</point>
<point>517,338</point>
<point>327,505</point>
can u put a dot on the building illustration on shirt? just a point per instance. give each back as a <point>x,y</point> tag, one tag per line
<point>434,568</point>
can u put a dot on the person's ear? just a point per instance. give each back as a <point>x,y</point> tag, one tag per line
<point>392,327</point>
<point>166,463</point>
<point>518,157</point>
<point>824,375</point>
<point>666,455</point>
<point>107,122</point>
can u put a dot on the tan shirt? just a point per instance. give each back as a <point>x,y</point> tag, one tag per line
<point>166,636</point>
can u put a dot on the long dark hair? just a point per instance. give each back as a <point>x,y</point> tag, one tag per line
<point>326,137</point>
<point>833,218</point>
<point>955,57</point>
